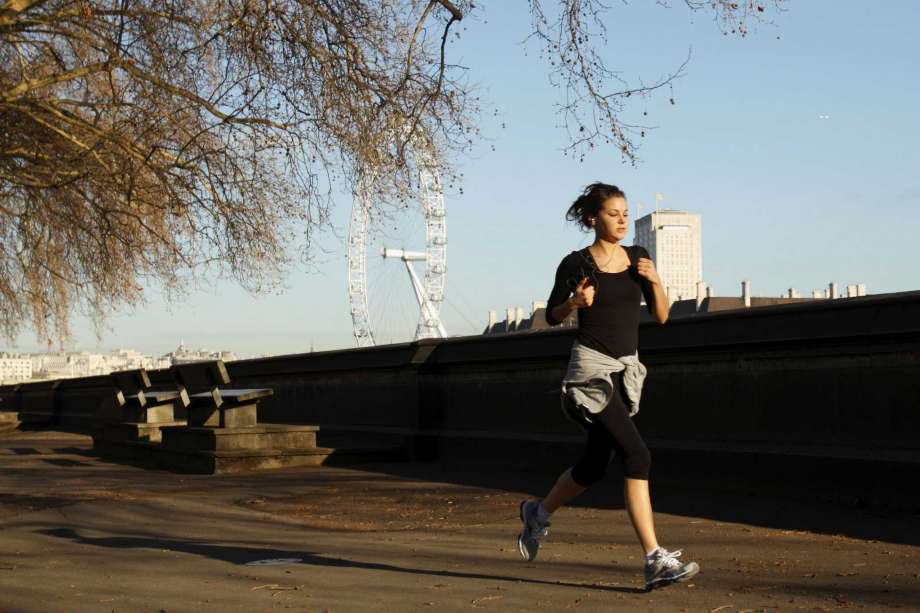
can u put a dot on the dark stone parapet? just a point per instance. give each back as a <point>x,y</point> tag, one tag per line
<point>838,377</point>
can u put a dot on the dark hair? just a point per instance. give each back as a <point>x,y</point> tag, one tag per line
<point>589,203</point>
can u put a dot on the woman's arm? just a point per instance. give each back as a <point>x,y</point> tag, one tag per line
<point>562,301</point>
<point>559,312</point>
<point>659,306</point>
<point>655,297</point>
<point>582,298</point>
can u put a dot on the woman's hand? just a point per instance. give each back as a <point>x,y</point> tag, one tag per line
<point>584,295</point>
<point>646,269</point>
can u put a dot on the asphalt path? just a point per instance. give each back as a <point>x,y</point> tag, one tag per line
<point>81,534</point>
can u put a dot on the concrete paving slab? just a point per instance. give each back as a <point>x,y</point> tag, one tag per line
<point>79,534</point>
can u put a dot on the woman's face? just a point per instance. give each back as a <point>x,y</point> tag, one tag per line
<point>612,221</point>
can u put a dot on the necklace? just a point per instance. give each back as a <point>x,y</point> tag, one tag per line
<point>601,267</point>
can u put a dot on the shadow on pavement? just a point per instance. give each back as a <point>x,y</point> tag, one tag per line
<point>88,453</point>
<point>15,504</point>
<point>696,496</point>
<point>244,555</point>
<point>65,462</point>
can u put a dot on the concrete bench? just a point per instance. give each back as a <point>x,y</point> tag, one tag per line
<point>134,411</point>
<point>136,402</point>
<point>209,403</point>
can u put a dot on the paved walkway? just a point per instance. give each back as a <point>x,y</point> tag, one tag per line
<point>79,534</point>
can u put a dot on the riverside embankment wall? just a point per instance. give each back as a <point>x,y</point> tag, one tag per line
<point>834,379</point>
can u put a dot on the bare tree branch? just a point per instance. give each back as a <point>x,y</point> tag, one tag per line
<point>154,142</point>
<point>593,96</point>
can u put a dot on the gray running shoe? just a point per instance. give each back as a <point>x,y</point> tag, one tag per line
<point>533,530</point>
<point>665,568</point>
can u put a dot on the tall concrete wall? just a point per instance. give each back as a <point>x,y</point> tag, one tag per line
<point>835,375</point>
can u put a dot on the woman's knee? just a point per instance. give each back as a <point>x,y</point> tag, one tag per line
<point>585,474</point>
<point>639,463</point>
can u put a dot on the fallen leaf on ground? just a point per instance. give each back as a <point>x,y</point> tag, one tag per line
<point>477,601</point>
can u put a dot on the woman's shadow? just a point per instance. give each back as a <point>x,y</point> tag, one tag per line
<point>247,555</point>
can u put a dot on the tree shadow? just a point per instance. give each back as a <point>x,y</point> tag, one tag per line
<point>730,493</point>
<point>26,503</point>
<point>87,453</point>
<point>244,555</point>
<point>24,450</point>
<point>65,462</point>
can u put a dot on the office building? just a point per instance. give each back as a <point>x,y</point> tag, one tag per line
<point>674,240</point>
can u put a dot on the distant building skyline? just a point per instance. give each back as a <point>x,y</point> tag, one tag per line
<point>14,368</point>
<point>516,319</point>
<point>675,242</point>
<point>22,367</point>
<point>184,355</point>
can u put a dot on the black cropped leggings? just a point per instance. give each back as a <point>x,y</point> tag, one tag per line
<point>613,430</point>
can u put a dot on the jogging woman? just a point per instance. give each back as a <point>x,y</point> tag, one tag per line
<point>605,283</point>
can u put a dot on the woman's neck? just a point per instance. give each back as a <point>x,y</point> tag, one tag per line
<point>604,247</point>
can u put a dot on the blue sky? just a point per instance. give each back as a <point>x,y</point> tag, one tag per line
<point>788,199</point>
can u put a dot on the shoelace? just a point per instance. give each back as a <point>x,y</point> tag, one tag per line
<point>539,529</point>
<point>669,558</point>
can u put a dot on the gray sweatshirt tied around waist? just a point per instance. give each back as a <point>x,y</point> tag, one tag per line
<point>588,383</point>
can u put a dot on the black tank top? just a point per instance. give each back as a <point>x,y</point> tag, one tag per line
<point>611,324</point>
